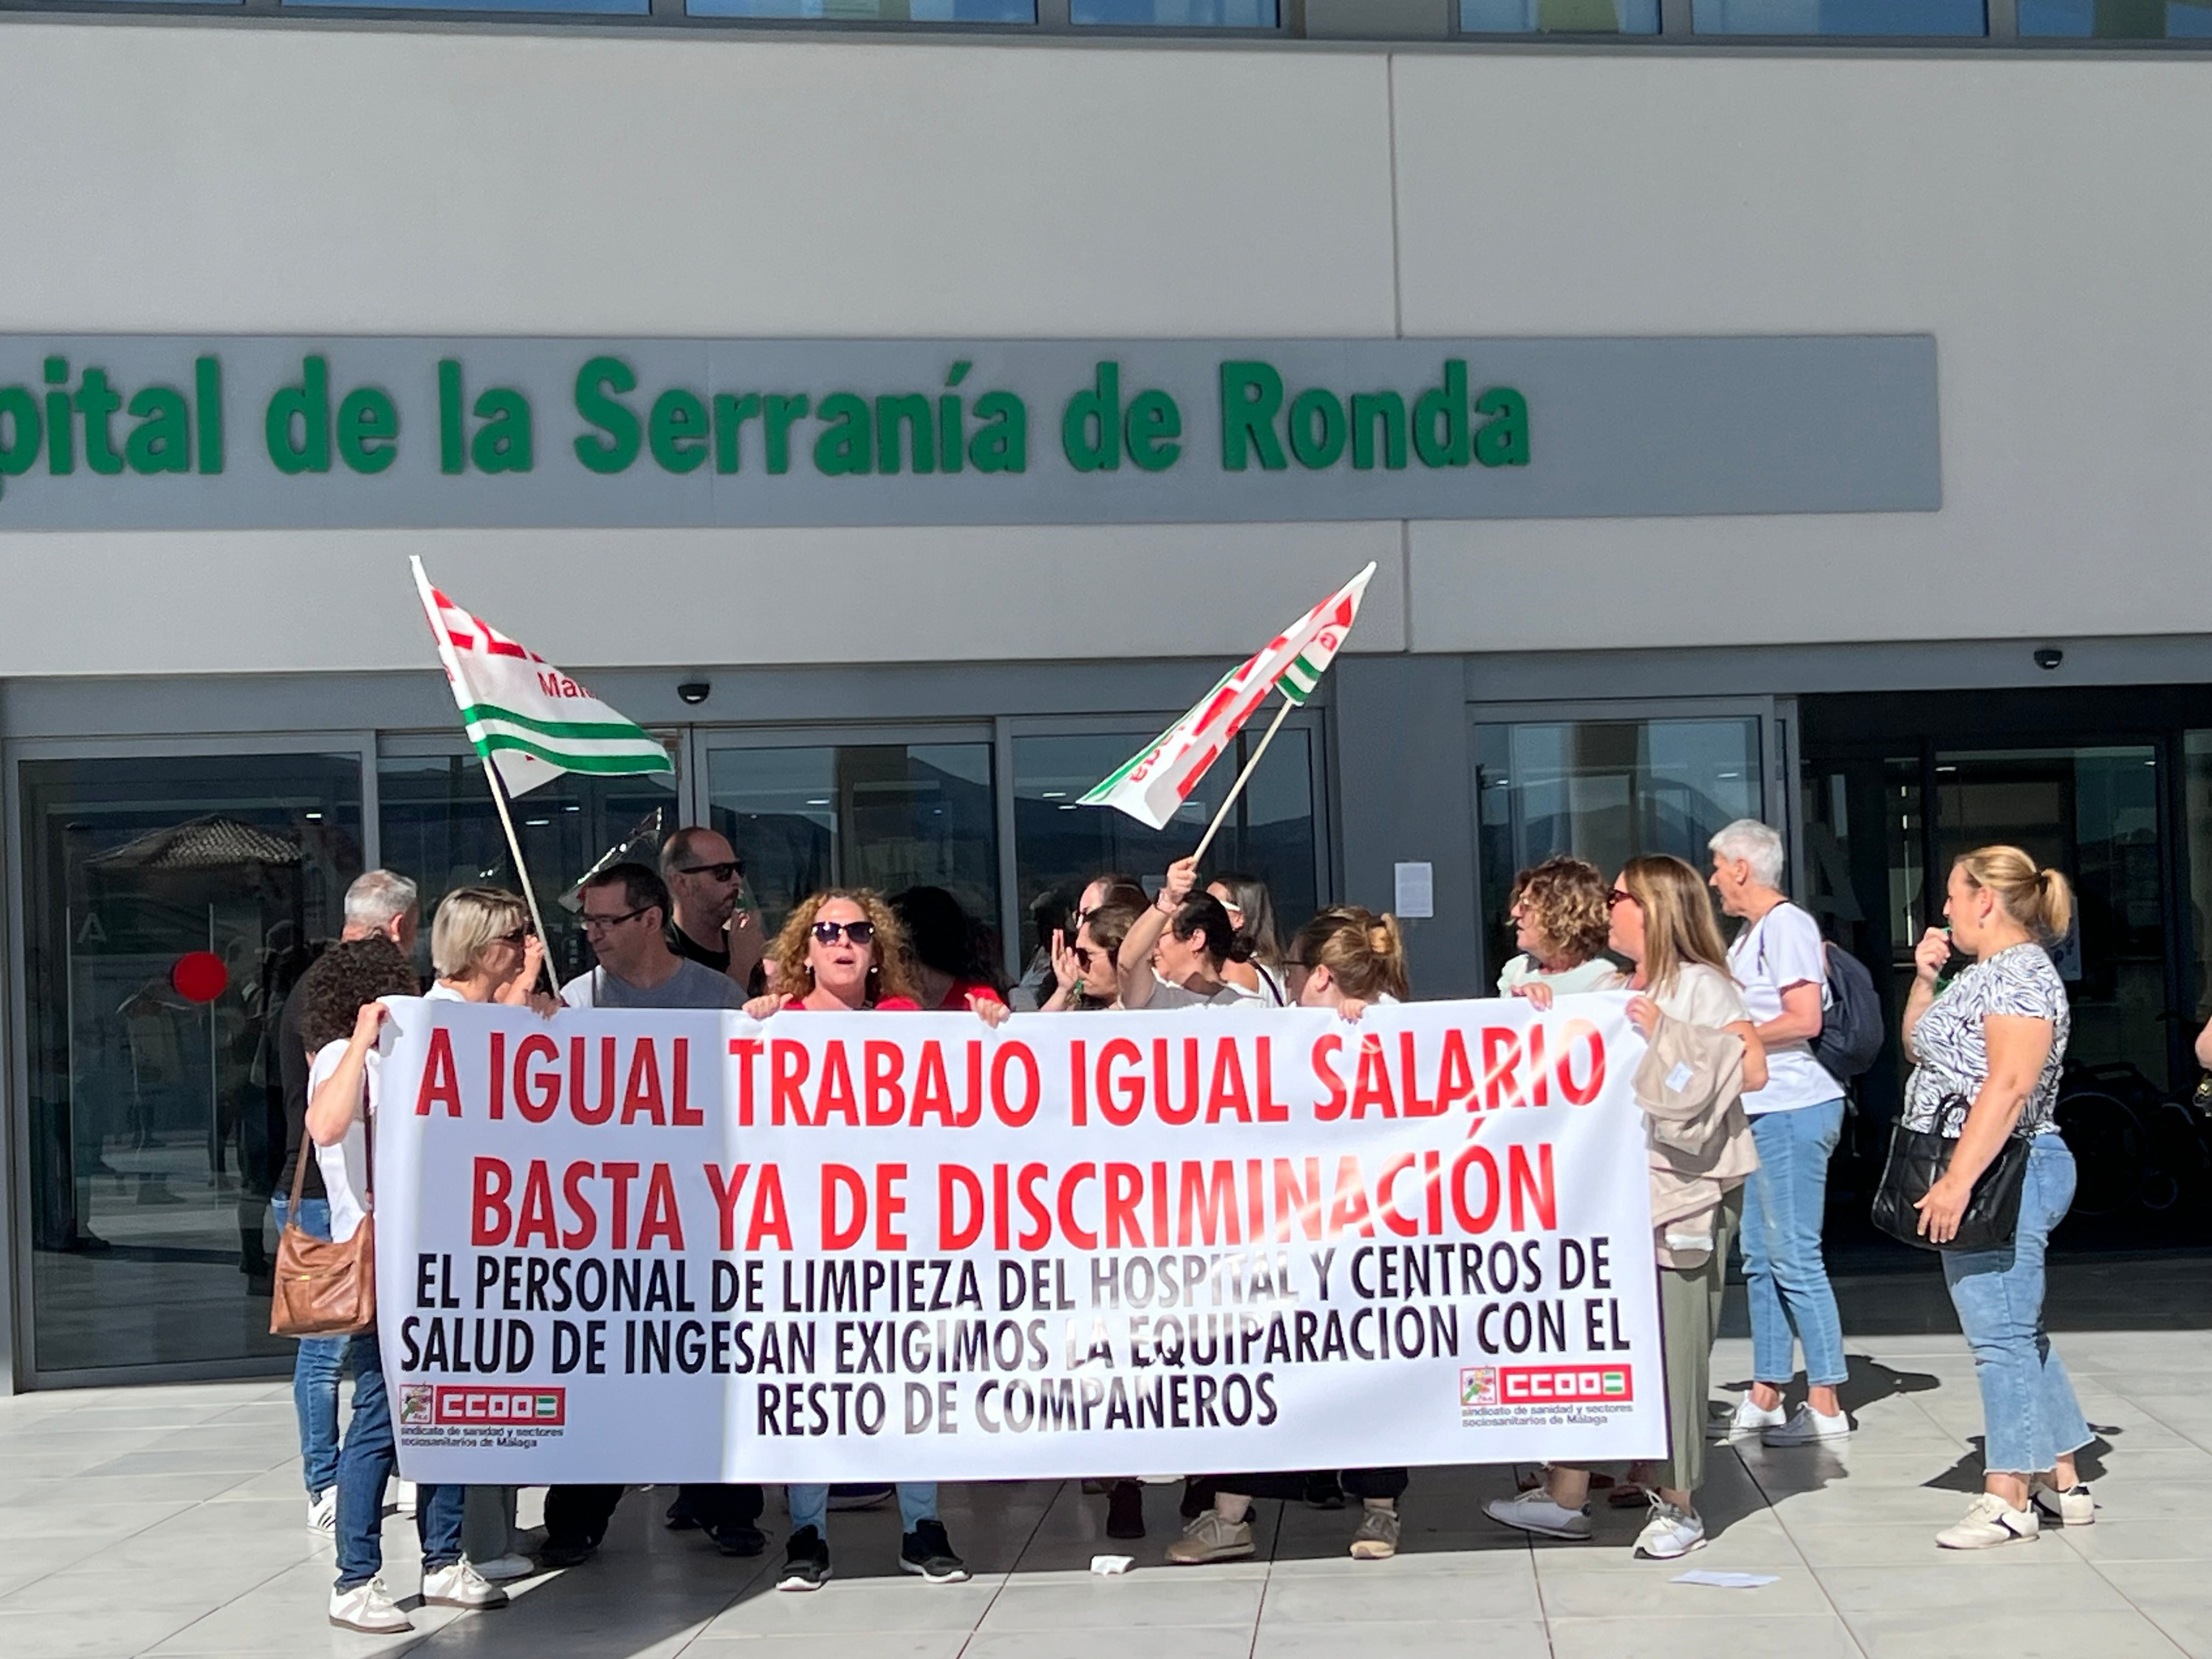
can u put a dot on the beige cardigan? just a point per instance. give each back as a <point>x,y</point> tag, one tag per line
<point>1690,1085</point>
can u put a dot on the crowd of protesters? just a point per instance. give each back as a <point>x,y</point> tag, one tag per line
<point>1740,1119</point>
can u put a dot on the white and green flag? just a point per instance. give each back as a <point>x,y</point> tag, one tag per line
<point>528,720</point>
<point>1152,785</point>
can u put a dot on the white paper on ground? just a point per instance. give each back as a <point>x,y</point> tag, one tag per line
<point>1728,1580</point>
<point>1109,1566</point>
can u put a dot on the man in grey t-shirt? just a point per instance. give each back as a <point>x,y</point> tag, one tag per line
<point>626,919</point>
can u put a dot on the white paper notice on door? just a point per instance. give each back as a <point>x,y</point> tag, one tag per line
<point>1417,891</point>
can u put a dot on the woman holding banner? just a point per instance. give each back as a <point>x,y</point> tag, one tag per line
<point>339,1018</point>
<point>1663,922</point>
<point>845,952</point>
<point>1345,959</point>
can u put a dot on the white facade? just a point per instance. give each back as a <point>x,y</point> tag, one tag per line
<point>2045,219</point>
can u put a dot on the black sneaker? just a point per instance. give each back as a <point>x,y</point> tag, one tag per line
<point>565,1552</point>
<point>680,1516</point>
<point>928,1551</point>
<point>1322,1491</point>
<point>738,1540</point>
<point>805,1561</point>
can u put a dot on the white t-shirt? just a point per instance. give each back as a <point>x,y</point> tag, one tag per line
<point>1166,996</point>
<point>345,1165</point>
<point>1781,948</point>
<point>1595,975</point>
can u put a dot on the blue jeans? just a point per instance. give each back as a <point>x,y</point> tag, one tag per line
<point>365,1467</point>
<point>2028,1409</point>
<point>316,1369</point>
<point>1784,1203</point>
<point>810,1505</point>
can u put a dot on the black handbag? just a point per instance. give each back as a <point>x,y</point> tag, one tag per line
<point>1918,1159</point>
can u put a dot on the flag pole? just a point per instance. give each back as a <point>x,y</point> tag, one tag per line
<point>521,873</point>
<point>1242,778</point>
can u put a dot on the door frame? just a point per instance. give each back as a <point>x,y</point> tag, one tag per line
<point>18,1336</point>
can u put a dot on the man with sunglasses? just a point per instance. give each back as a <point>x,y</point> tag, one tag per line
<point>710,924</point>
<point>626,911</point>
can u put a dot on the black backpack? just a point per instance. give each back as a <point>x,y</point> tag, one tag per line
<point>1852,1024</point>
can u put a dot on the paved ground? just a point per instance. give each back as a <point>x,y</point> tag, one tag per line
<point>168,1521</point>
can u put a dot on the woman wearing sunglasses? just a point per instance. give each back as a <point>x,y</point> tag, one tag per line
<point>845,952</point>
<point>1089,970</point>
<point>484,950</point>
<point>1663,923</point>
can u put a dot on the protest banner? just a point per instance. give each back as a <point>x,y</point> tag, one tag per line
<point>669,1246</point>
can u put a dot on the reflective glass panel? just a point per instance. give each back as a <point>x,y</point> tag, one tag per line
<point>2118,20</point>
<point>888,816</point>
<point>627,7</point>
<point>440,829</point>
<point>873,11</point>
<point>1559,16</point>
<point>1878,17</point>
<point>1178,13</point>
<point>1059,845</point>
<point>2092,813</point>
<point>1606,791</point>
<point>169,903</point>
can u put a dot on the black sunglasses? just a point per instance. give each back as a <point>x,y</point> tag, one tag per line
<point>729,870</point>
<point>520,936</point>
<point>1084,956</point>
<point>593,924</point>
<point>860,932</point>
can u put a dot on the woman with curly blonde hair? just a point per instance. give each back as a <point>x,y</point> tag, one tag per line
<point>843,952</point>
<point>1560,922</point>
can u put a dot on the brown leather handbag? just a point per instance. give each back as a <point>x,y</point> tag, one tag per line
<point>323,1289</point>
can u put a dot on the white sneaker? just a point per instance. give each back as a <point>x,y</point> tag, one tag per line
<point>1670,1532</point>
<point>1533,1511</point>
<point>2071,1508</point>
<point>1989,1519</point>
<point>367,1607</point>
<point>1809,1428</point>
<point>1749,1419</point>
<point>460,1586</point>
<point>502,1568</point>
<point>323,1511</point>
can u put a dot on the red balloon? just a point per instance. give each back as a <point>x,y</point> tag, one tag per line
<point>200,977</point>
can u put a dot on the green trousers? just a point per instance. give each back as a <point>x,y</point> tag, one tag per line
<point>1689,1319</point>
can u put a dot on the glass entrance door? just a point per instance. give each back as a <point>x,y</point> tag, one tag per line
<point>170,902</point>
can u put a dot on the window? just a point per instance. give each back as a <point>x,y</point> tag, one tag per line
<point>2118,20</point>
<point>1059,845</point>
<point>170,902</point>
<point>628,8</point>
<point>440,829</point>
<point>1178,13</point>
<point>1874,17</point>
<point>1606,791</point>
<point>872,11</point>
<point>888,816</point>
<point>1559,16</point>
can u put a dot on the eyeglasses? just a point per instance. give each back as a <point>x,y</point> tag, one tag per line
<point>1084,956</point>
<point>729,870</point>
<point>593,924</point>
<point>1616,897</point>
<point>860,932</point>
<point>520,935</point>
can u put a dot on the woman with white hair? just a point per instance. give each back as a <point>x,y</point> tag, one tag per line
<point>1781,962</point>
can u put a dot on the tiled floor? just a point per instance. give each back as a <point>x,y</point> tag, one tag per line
<point>168,1521</point>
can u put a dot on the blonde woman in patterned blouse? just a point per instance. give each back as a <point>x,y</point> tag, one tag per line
<point>1986,1056</point>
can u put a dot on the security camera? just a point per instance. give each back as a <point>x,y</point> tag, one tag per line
<point>696,690</point>
<point>2049,657</point>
